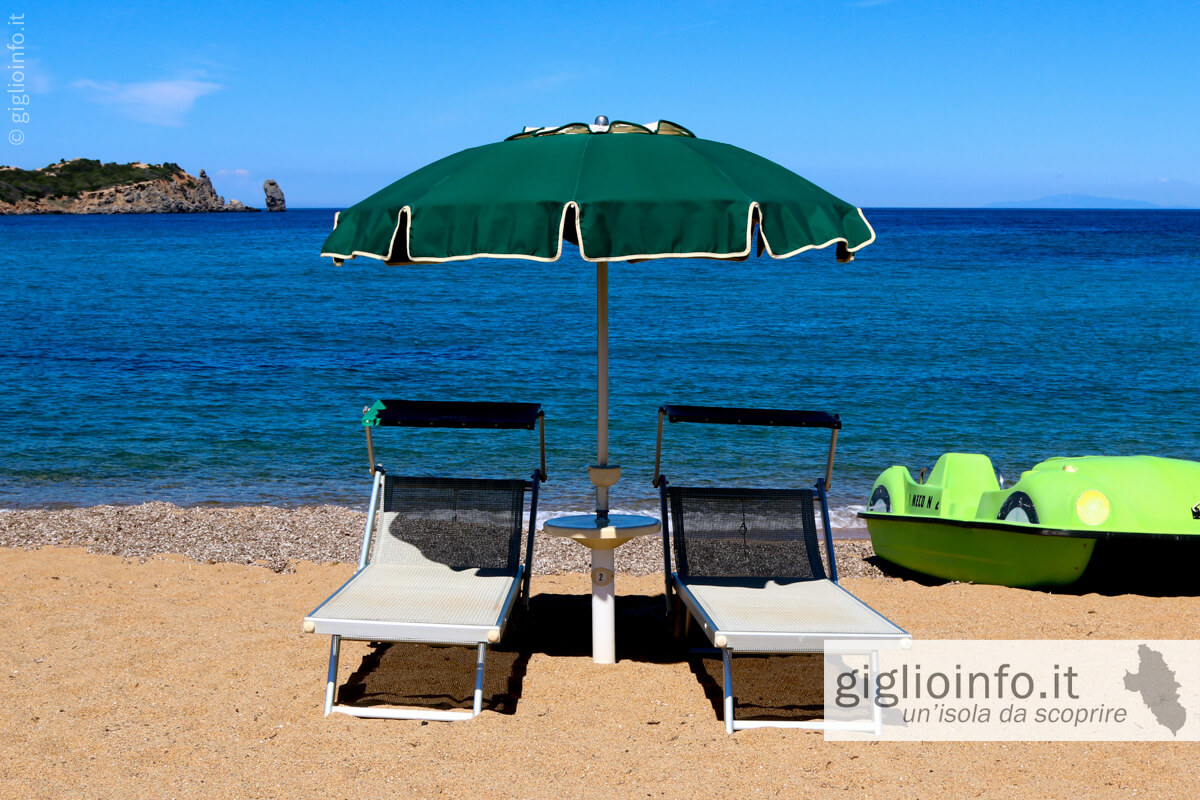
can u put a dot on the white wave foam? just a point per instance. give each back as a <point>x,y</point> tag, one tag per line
<point>846,516</point>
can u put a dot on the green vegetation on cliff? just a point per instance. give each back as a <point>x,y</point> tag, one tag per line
<point>71,178</point>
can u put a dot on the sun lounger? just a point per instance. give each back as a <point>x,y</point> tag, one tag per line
<point>748,565</point>
<point>441,559</point>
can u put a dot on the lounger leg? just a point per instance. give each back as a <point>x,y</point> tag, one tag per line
<point>683,621</point>
<point>728,676</point>
<point>335,648</point>
<point>478,704</point>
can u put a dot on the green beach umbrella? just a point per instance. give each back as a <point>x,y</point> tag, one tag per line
<point>619,192</point>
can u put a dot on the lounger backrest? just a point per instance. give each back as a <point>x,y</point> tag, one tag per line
<point>456,522</point>
<point>745,533</point>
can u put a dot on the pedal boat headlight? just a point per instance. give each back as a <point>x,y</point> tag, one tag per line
<point>1092,507</point>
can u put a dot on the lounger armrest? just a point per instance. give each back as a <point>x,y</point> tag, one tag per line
<point>664,508</point>
<point>534,484</point>
<point>819,491</point>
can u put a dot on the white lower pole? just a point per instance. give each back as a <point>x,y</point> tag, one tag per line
<point>604,627</point>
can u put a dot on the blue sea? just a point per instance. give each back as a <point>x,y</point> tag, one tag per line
<point>217,359</point>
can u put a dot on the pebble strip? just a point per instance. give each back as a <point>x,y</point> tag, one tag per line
<point>277,537</point>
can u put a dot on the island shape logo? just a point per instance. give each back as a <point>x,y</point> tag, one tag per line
<point>1156,683</point>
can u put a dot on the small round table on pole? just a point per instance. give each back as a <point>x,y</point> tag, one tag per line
<point>603,536</point>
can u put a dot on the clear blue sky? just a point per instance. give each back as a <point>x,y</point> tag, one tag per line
<point>883,102</point>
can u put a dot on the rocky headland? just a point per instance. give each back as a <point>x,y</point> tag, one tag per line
<point>86,186</point>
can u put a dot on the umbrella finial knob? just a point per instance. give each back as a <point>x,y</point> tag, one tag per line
<point>601,120</point>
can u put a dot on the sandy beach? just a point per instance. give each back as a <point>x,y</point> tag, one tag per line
<point>143,675</point>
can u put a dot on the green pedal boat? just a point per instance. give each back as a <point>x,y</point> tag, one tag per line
<point>1045,529</point>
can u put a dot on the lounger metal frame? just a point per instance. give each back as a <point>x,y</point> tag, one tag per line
<point>430,414</point>
<point>728,641</point>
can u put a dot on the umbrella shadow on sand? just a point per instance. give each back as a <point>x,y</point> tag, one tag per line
<point>559,625</point>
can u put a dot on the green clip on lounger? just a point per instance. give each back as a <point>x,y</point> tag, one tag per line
<point>748,565</point>
<point>441,557</point>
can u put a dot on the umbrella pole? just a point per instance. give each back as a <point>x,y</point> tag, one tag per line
<point>602,475</point>
<point>602,363</point>
<point>602,382</point>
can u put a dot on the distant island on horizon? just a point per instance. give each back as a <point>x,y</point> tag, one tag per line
<point>1083,202</point>
<point>88,186</point>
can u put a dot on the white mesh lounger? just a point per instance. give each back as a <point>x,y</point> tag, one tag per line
<point>441,557</point>
<point>748,567</point>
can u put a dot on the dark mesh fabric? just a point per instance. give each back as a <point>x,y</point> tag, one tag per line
<point>745,533</point>
<point>461,523</point>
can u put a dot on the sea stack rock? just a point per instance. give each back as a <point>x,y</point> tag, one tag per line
<point>274,195</point>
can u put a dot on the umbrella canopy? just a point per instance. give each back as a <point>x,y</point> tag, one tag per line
<point>619,191</point>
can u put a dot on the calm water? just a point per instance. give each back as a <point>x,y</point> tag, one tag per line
<point>217,359</point>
